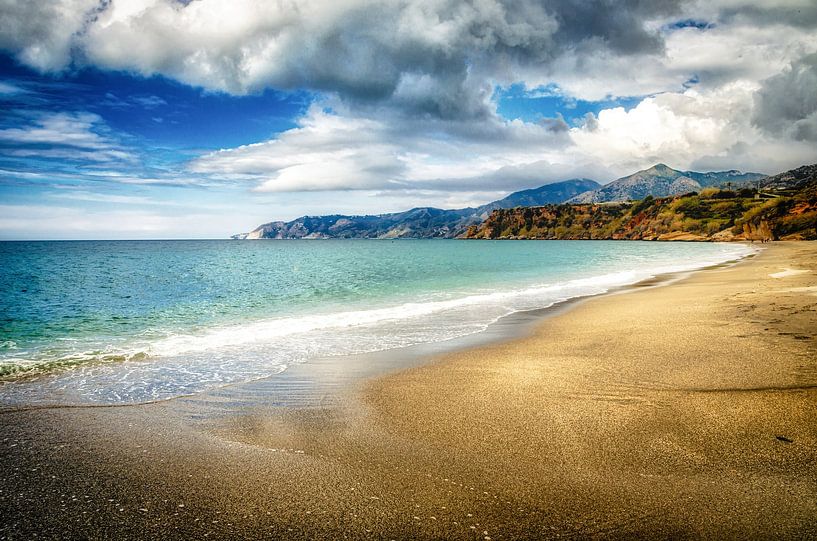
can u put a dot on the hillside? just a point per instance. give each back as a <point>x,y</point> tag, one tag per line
<point>659,181</point>
<point>784,208</point>
<point>423,222</point>
<point>549,193</point>
<point>663,181</point>
<point>795,179</point>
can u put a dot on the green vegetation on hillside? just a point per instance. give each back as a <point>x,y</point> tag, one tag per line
<point>712,214</point>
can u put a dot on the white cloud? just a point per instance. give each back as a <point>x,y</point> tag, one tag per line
<point>102,155</point>
<point>331,151</point>
<point>696,130</point>
<point>64,136</point>
<point>69,129</point>
<point>10,89</point>
<point>433,57</point>
<point>82,195</point>
<point>712,57</point>
<point>410,90</point>
<point>42,34</point>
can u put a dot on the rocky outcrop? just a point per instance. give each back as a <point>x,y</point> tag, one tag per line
<point>681,236</point>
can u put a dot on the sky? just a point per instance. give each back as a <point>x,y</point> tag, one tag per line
<point>204,118</point>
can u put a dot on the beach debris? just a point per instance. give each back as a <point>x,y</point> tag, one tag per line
<point>784,439</point>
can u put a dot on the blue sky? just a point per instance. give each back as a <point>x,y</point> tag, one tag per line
<point>515,101</point>
<point>160,119</point>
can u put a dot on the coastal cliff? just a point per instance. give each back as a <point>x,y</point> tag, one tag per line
<point>782,207</point>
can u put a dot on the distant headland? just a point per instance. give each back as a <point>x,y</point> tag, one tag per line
<point>659,203</point>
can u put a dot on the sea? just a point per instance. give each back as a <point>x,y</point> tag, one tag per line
<point>119,322</point>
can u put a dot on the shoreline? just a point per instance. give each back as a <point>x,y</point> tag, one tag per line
<point>512,326</point>
<point>597,424</point>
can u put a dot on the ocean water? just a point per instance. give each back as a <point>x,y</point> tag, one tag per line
<point>135,321</point>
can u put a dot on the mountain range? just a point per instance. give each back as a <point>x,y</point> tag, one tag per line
<point>429,222</point>
<point>422,222</point>
<point>662,181</point>
<point>779,207</point>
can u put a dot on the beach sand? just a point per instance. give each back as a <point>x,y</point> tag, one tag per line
<point>685,410</point>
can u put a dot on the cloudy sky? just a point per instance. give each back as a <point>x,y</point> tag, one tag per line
<point>203,118</point>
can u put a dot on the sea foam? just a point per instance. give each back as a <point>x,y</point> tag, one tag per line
<point>149,367</point>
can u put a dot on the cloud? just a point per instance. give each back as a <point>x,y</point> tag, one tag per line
<point>101,155</point>
<point>440,58</point>
<point>435,57</point>
<point>407,94</point>
<point>338,151</point>
<point>324,152</point>
<point>75,129</point>
<point>695,129</point>
<point>118,199</point>
<point>42,34</point>
<point>797,13</point>
<point>144,102</point>
<point>45,147</point>
<point>75,135</point>
<point>707,56</point>
<point>9,89</point>
<point>786,104</point>
<point>59,221</point>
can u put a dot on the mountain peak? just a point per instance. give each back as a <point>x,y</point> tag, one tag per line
<point>661,169</point>
<point>660,180</point>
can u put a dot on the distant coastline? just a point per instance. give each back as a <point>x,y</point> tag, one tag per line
<point>659,203</point>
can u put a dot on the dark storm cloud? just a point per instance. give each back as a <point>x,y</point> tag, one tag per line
<point>437,58</point>
<point>619,25</point>
<point>787,103</point>
<point>802,16</point>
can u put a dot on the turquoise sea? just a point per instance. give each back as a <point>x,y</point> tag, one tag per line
<point>134,321</point>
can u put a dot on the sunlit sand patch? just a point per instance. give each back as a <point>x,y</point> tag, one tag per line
<point>787,272</point>
<point>811,290</point>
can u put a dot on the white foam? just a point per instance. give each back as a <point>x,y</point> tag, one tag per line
<point>538,296</point>
<point>187,363</point>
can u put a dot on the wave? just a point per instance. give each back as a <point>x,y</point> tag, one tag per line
<point>11,368</point>
<point>186,363</point>
<point>529,298</point>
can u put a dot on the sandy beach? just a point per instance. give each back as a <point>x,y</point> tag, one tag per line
<point>679,411</point>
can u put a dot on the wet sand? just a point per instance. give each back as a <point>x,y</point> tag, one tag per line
<point>679,411</point>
